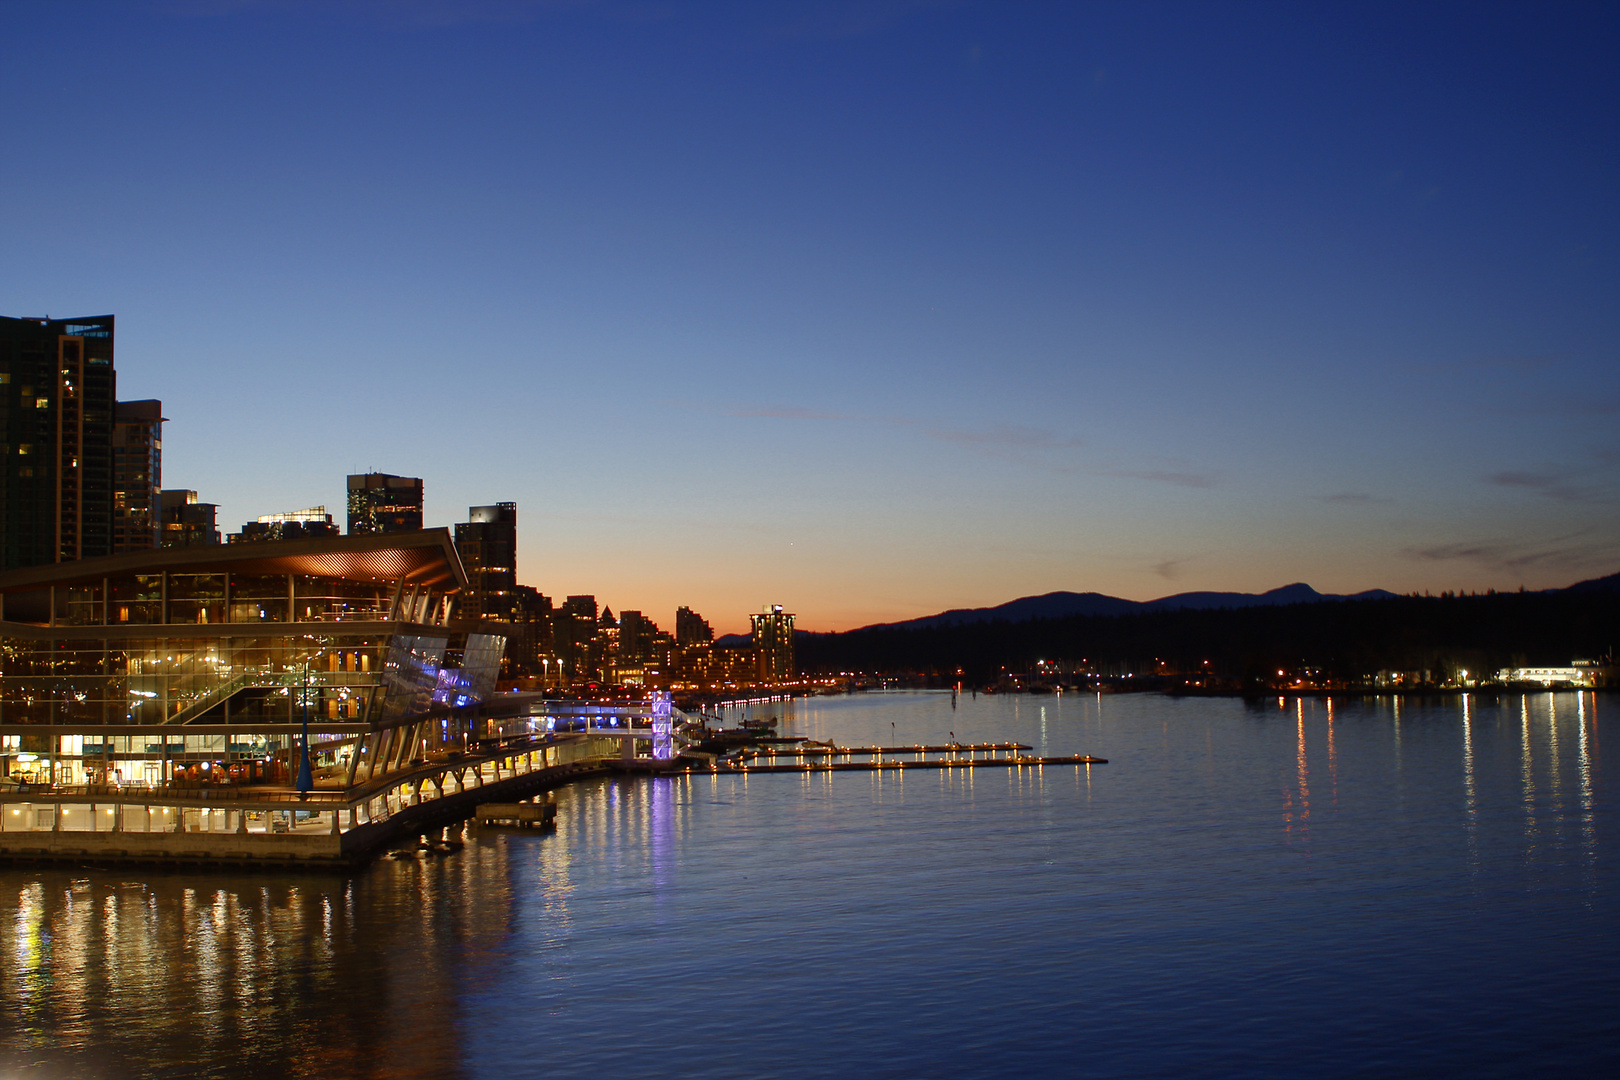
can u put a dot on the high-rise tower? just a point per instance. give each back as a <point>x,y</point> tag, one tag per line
<point>381,503</point>
<point>773,644</point>
<point>487,544</point>
<point>57,394</point>
<point>137,449</point>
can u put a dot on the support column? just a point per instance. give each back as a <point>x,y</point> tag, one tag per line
<point>354,759</point>
<point>385,742</point>
<point>407,745</point>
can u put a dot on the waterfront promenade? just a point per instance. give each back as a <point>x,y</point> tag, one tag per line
<point>388,788</point>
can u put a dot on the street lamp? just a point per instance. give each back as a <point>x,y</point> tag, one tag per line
<point>305,782</point>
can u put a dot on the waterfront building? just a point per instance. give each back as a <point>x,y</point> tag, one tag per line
<point>773,644</point>
<point>383,503</point>
<point>137,464</point>
<point>185,521</point>
<point>297,525</point>
<point>1578,673</point>
<point>294,699</point>
<point>225,632</point>
<point>57,399</point>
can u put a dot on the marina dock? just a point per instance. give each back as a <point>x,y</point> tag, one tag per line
<point>817,757</point>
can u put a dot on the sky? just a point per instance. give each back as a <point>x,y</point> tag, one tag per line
<point>868,309</point>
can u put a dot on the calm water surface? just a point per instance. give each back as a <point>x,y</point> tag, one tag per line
<point>1285,888</point>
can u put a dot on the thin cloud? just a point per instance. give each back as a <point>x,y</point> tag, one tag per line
<point>1548,484</point>
<point>1353,498</point>
<point>1035,448</point>
<point>1170,569</point>
<point>1590,484</point>
<point>1163,476</point>
<point>1019,438</point>
<point>785,412</point>
<point>1567,552</point>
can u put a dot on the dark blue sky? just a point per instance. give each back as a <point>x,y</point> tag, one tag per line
<point>868,309</point>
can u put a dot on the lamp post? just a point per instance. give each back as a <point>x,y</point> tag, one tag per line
<point>305,782</point>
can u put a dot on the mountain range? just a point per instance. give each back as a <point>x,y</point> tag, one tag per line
<point>1061,605</point>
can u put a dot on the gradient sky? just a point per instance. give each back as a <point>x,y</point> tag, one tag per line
<point>869,309</point>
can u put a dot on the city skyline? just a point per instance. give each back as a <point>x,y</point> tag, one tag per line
<point>870,310</point>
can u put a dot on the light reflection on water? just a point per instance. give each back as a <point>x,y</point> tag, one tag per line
<point>1303,887</point>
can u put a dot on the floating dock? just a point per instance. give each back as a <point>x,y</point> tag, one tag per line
<point>819,757</point>
<point>884,765</point>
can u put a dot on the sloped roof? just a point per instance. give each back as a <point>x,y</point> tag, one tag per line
<point>427,557</point>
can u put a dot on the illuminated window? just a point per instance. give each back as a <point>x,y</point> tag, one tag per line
<point>25,448</point>
<point>42,403</point>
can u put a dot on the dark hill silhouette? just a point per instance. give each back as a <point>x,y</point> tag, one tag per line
<point>1240,638</point>
<point>1063,605</point>
<point>1602,584</point>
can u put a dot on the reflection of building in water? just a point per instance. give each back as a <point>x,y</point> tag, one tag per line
<point>236,972</point>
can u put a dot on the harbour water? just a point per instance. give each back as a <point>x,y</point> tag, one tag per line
<point>1289,887</point>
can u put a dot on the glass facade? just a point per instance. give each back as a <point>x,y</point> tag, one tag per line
<point>179,691</point>
<point>175,680</point>
<point>188,642</point>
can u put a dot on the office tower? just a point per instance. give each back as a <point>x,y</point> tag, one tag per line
<point>185,521</point>
<point>137,449</point>
<point>574,628</point>
<point>773,644</point>
<point>637,637</point>
<point>297,525</point>
<point>529,647</point>
<point>487,544</point>
<point>691,628</point>
<point>380,503</point>
<point>57,395</point>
